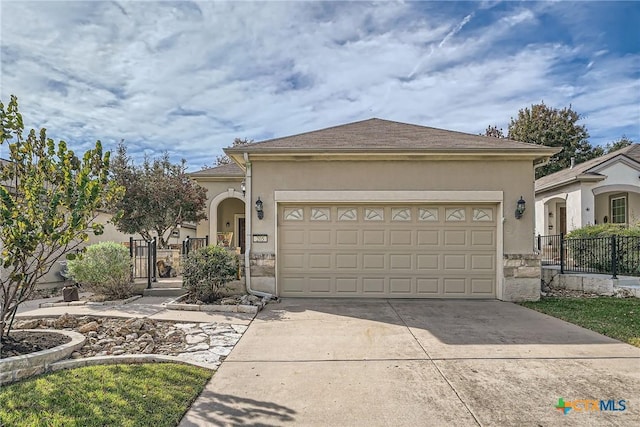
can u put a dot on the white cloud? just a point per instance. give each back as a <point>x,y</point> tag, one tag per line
<point>189,78</point>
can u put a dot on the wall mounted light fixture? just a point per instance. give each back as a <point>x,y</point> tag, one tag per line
<point>520,207</point>
<point>259,208</point>
<point>243,186</point>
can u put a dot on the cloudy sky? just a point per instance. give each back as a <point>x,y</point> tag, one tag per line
<point>189,77</point>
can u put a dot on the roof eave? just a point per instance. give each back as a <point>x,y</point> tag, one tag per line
<point>538,154</point>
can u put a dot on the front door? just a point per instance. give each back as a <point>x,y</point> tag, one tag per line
<point>563,219</point>
<point>241,235</point>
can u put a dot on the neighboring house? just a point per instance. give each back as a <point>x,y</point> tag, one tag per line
<point>380,209</point>
<point>599,191</point>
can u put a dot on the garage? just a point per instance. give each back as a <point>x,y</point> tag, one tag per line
<point>399,250</point>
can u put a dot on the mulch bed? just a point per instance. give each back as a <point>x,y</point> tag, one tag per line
<point>19,343</point>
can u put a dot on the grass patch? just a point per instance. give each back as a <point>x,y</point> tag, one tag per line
<point>153,394</point>
<point>617,318</point>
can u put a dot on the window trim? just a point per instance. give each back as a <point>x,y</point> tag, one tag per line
<point>620,196</point>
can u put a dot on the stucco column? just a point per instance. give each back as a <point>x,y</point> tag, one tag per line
<point>588,207</point>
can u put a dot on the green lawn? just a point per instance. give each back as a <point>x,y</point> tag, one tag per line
<point>111,395</point>
<point>617,318</point>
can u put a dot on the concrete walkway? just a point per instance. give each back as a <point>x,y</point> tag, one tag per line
<point>425,362</point>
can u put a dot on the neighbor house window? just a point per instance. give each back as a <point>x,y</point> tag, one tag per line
<point>619,210</point>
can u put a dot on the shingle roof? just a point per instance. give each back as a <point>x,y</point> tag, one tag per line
<point>384,135</point>
<point>228,170</point>
<point>631,151</point>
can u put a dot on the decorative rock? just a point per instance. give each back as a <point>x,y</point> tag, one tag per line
<point>222,351</point>
<point>149,348</point>
<point>145,337</point>
<point>131,337</point>
<point>28,324</point>
<point>92,334</point>
<point>118,352</point>
<point>198,347</point>
<point>88,327</point>
<point>65,321</point>
<point>195,339</point>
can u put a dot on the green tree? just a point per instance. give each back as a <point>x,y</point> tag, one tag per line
<point>49,199</point>
<point>494,131</point>
<point>159,196</point>
<point>619,144</point>
<point>554,127</point>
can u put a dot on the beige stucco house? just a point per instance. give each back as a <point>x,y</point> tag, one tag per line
<point>380,209</point>
<point>601,190</point>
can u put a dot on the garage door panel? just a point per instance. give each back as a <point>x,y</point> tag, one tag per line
<point>346,284</point>
<point>483,238</point>
<point>346,237</point>
<point>484,286</point>
<point>454,285</point>
<point>400,285</point>
<point>373,261</point>
<point>394,251</point>
<point>320,237</point>
<point>320,285</point>
<point>428,237</point>
<point>483,262</point>
<point>428,261</point>
<point>320,260</point>
<point>401,238</point>
<point>455,262</point>
<point>400,261</point>
<point>455,238</point>
<point>346,261</point>
<point>429,286</point>
<point>292,261</point>
<point>293,237</point>
<point>373,285</point>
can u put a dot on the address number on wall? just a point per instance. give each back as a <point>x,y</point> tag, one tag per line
<point>260,238</point>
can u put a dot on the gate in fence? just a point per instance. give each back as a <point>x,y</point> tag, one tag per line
<point>144,256</point>
<point>193,243</point>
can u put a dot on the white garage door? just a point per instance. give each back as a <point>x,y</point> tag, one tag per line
<point>387,251</point>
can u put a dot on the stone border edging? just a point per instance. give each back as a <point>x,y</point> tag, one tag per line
<point>73,303</point>
<point>124,358</point>
<point>236,308</point>
<point>19,367</point>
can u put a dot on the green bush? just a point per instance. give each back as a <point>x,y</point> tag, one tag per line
<point>590,247</point>
<point>105,268</point>
<point>605,230</point>
<point>206,271</point>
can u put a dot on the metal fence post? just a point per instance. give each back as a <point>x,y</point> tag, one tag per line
<point>187,245</point>
<point>206,240</point>
<point>149,263</point>
<point>131,246</point>
<point>539,242</point>
<point>562,257</point>
<point>614,258</point>
<point>155,259</point>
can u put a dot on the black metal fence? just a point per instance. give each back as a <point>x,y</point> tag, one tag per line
<point>144,256</point>
<point>604,255</point>
<point>194,243</point>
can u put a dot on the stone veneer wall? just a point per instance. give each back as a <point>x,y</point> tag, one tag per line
<point>263,271</point>
<point>521,277</point>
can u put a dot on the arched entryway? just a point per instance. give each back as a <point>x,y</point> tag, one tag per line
<point>227,219</point>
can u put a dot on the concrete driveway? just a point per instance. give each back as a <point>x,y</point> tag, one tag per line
<point>417,362</point>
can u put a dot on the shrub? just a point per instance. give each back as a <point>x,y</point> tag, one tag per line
<point>206,271</point>
<point>105,268</point>
<point>605,230</point>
